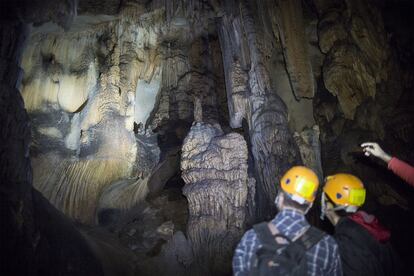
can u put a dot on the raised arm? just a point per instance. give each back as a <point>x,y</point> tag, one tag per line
<point>400,168</point>
<point>374,149</point>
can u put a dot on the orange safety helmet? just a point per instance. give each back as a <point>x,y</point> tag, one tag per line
<point>301,183</point>
<point>345,190</point>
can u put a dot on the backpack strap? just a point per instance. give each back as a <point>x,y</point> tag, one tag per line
<point>267,237</point>
<point>298,248</point>
<point>264,234</point>
<point>311,237</point>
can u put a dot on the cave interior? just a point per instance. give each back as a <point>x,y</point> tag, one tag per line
<point>144,137</point>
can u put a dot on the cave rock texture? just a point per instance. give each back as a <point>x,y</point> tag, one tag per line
<point>214,169</point>
<point>152,134</point>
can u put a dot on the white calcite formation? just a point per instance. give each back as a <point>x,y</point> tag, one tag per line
<point>214,168</point>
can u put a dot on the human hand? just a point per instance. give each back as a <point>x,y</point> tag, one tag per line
<point>374,149</point>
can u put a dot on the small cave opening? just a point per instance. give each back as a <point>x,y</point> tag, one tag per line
<point>151,137</point>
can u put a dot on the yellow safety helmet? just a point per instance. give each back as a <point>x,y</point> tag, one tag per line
<point>345,190</point>
<point>301,183</point>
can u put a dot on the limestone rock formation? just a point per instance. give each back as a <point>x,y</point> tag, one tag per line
<point>169,123</point>
<point>310,149</point>
<point>291,28</point>
<point>214,168</point>
<point>361,71</point>
<point>273,148</point>
<point>355,61</point>
<point>32,241</point>
<point>86,81</point>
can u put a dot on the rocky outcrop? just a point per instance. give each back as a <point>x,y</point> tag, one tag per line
<point>32,234</point>
<point>214,168</point>
<point>362,79</point>
<point>310,149</point>
<point>255,100</point>
<point>356,53</point>
<point>86,81</point>
<point>291,27</point>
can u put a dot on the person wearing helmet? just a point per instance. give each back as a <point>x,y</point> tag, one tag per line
<point>298,189</point>
<point>362,240</point>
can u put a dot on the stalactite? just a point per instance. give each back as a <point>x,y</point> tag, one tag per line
<point>135,90</point>
<point>273,147</point>
<point>49,81</point>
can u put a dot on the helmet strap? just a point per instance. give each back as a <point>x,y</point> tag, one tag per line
<point>348,209</point>
<point>298,199</point>
<point>323,206</point>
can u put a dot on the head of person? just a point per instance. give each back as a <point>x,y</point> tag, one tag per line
<point>342,194</point>
<point>298,188</point>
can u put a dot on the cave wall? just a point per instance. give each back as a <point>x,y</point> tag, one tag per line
<point>363,85</point>
<point>218,98</point>
<point>80,89</point>
<point>31,244</point>
<point>366,95</point>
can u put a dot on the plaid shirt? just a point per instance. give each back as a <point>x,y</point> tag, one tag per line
<point>323,258</point>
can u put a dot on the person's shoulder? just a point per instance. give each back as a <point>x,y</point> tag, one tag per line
<point>249,238</point>
<point>328,241</point>
<point>250,234</point>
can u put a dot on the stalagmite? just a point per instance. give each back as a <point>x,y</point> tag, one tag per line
<point>214,168</point>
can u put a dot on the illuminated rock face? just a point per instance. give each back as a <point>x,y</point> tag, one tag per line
<point>214,168</point>
<point>97,93</point>
<point>84,90</point>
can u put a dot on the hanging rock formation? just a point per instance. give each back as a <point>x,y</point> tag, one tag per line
<point>362,73</point>
<point>252,97</point>
<point>356,51</point>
